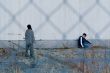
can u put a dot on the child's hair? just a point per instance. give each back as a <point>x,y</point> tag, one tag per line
<point>84,34</point>
<point>29,26</point>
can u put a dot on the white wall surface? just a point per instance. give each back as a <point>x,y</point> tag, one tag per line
<point>55,19</point>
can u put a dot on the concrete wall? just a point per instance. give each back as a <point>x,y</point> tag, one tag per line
<point>51,44</point>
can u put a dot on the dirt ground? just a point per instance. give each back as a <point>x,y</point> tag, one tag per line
<point>96,60</point>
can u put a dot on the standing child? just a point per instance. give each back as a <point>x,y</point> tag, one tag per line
<point>29,38</point>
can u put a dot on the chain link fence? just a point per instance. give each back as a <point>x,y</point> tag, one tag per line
<point>55,19</point>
